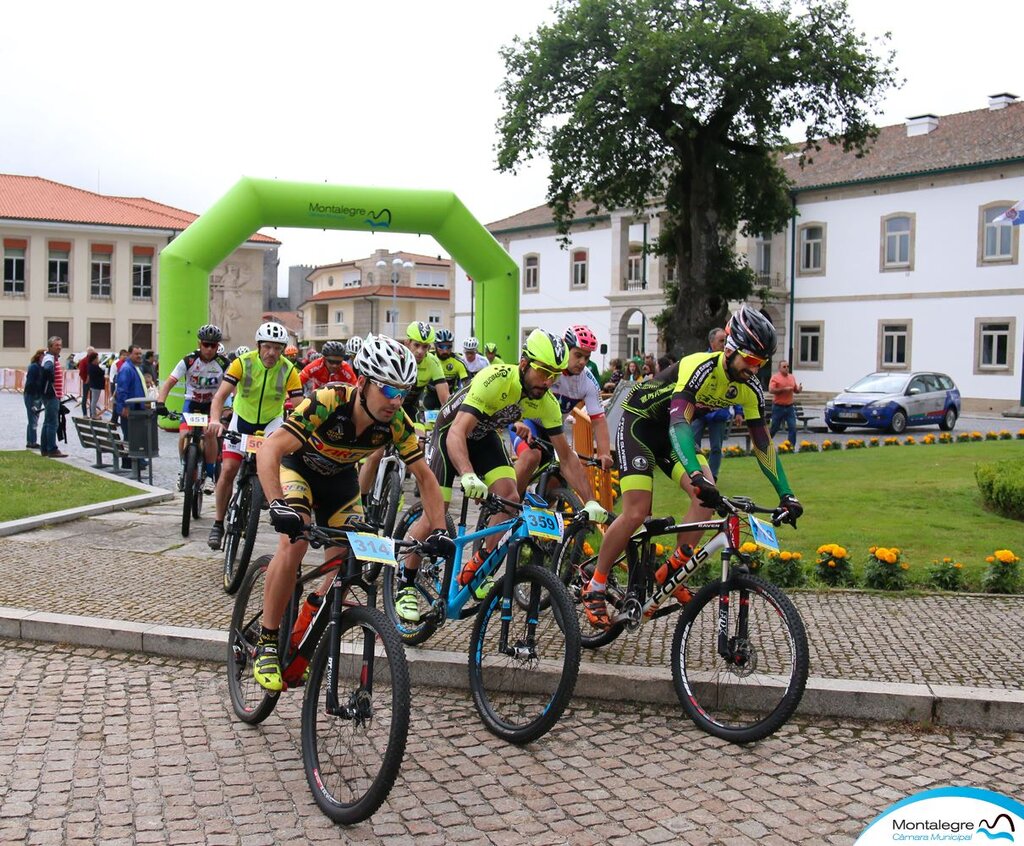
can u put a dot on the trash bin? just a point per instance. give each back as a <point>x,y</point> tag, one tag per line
<point>143,435</point>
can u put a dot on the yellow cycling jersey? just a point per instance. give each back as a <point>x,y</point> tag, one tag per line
<point>324,424</point>
<point>260,393</point>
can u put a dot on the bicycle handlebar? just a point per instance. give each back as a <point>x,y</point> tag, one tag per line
<point>320,536</point>
<point>735,504</point>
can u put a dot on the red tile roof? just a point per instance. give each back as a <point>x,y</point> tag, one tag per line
<point>542,216</point>
<point>960,141</point>
<point>34,198</point>
<point>405,291</point>
<point>424,261</point>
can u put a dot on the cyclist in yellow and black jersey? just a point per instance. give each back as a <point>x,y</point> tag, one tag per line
<point>308,466</point>
<point>655,430</point>
<point>452,367</point>
<point>465,442</point>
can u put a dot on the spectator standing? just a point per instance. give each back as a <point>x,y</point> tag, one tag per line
<point>83,377</point>
<point>53,390</point>
<point>131,384</point>
<point>115,365</point>
<point>632,373</point>
<point>783,387</point>
<point>148,370</point>
<point>616,375</point>
<point>96,380</point>
<point>33,391</point>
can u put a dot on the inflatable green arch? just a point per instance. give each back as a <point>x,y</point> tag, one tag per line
<point>186,263</point>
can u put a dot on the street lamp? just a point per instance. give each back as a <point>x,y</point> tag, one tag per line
<point>396,274</point>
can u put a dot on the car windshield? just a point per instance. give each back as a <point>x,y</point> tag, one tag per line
<point>879,383</point>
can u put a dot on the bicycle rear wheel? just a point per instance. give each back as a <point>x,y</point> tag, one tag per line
<point>251,703</point>
<point>352,758</point>
<point>574,563</point>
<point>521,692</point>
<point>237,516</point>
<point>755,690</point>
<point>189,488</point>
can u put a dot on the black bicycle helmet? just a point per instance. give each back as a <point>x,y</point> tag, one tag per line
<point>444,336</point>
<point>333,349</point>
<point>209,333</point>
<point>748,330</point>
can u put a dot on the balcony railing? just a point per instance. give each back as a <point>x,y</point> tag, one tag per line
<point>634,284</point>
<point>320,331</point>
<point>771,280</point>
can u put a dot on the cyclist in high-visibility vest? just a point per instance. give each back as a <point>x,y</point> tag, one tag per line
<point>261,381</point>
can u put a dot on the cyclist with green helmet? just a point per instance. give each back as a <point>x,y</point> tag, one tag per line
<point>465,443</point>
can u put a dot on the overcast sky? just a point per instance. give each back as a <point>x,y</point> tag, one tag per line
<point>175,101</point>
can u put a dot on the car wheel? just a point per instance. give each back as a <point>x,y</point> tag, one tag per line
<point>836,427</point>
<point>898,424</point>
<point>948,420</point>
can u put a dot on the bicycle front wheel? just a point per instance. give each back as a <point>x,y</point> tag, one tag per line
<point>252,522</point>
<point>251,703</point>
<point>352,757</point>
<point>189,488</point>
<point>752,691</point>
<point>238,514</point>
<point>521,683</point>
<point>386,513</point>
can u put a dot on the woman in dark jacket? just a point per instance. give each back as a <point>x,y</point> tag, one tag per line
<point>33,391</point>
<point>97,378</point>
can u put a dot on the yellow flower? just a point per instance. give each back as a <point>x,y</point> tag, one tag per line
<point>872,549</point>
<point>895,550</point>
<point>1005,556</point>
<point>660,549</point>
<point>891,557</point>
<point>839,552</point>
<point>588,549</point>
<point>958,565</point>
<point>990,559</point>
<point>825,547</point>
<point>786,555</point>
<point>905,566</point>
<point>797,556</point>
<point>747,547</point>
<point>831,563</point>
<point>946,560</point>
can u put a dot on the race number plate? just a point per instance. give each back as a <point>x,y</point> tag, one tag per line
<point>369,547</point>
<point>542,523</point>
<point>252,442</point>
<point>195,419</point>
<point>763,533</point>
<point>430,417</point>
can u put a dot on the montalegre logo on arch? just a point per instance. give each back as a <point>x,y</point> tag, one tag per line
<point>949,815</point>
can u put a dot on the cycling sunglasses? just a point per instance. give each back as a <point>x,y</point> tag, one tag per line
<point>446,347</point>
<point>209,345</point>
<point>545,371</point>
<point>390,391</point>
<point>751,359</point>
<point>334,361</point>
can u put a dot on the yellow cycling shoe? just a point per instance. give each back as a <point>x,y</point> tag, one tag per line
<point>266,668</point>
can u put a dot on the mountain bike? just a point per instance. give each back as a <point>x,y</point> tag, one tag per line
<point>355,709</point>
<point>194,463</point>
<point>739,652</point>
<point>242,519</point>
<point>523,654</point>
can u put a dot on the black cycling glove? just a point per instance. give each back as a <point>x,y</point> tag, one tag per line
<point>791,505</point>
<point>707,493</point>
<point>284,518</point>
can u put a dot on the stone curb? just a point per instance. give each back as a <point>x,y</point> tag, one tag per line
<point>982,709</point>
<point>149,496</point>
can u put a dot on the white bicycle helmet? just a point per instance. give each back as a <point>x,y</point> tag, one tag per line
<point>221,350</point>
<point>353,346</point>
<point>470,344</point>
<point>271,332</point>
<point>385,360</point>
<point>241,350</point>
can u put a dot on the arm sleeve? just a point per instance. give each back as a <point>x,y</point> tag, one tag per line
<point>680,432</point>
<point>234,372</point>
<point>768,457</point>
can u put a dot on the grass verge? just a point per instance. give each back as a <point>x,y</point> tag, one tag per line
<point>35,485</point>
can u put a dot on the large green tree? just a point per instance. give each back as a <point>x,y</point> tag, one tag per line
<point>684,103</point>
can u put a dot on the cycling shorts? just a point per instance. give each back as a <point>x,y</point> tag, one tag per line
<point>234,451</point>
<point>333,499</point>
<point>193,407</point>
<point>487,455</point>
<point>642,445</point>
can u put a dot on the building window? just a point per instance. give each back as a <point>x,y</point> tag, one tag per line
<point>763,262</point>
<point>100,271</point>
<point>894,345</point>
<point>350,279</point>
<point>531,273</point>
<point>993,344</point>
<point>142,273</point>
<point>997,242</point>
<point>524,333</point>
<point>14,266</point>
<point>60,329</point>
<point>339,316</point>
<point>100,336</point>
<point>811,237</point>
<point>330,281</point>
<point>434,317</point>
<point>142,334</point>
<point>58,279</point>
<point>579,268</point>
<point>898,241</point>
<point>810,346</point>
<point>14,334</point>
<point>635,269</point>
<point>431,278</point>
<point>391,316</point>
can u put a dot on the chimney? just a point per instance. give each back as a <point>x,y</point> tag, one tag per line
<point>1000,101</point>
<point>921,125</point>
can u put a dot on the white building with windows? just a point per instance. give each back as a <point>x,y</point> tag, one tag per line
<point>892,261</point>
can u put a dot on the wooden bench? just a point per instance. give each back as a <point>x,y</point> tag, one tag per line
<point>104,436</point>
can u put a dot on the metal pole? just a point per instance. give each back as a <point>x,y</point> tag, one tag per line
<point>394,306</point>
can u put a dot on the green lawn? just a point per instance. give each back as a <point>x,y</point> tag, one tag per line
<point>922,499</point>
<point>36,485</point>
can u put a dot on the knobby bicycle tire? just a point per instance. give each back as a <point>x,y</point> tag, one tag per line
<point>520,697</point>
<point>189,488</point>
<point>574,567</point>
<point>412,634</point>
<point>238,511</point>
<point>386,513</point>
<point>250,702</point>
<point>251,526</point>
<point>351,761</point>
<point>749,698</point>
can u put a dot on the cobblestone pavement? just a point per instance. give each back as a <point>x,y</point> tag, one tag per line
<point>136,566</point>
<point>112,748</point>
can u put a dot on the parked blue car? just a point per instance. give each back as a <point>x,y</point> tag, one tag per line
<point>894,401</point>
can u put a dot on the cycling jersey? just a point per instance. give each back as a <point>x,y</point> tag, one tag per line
<point>315,375</point>
<point>569,390</point>
<point>428,372</point>
<point>455,373</point>
<point>260,393</point>
<point>325,426</point>
<point>476,365</point>
<point>201,378</point>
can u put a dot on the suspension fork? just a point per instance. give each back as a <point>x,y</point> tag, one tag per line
<point>528,648</point>
<point>731,530</point>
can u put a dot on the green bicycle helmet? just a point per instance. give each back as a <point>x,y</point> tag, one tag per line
<point>420,332</point>
<point>546,349</point>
